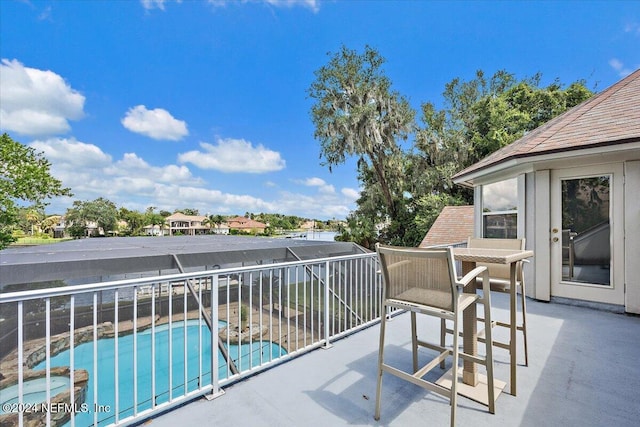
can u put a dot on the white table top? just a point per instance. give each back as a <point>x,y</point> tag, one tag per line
<point>491,256</point>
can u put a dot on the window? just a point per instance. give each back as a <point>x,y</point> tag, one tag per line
<point>500,209</point>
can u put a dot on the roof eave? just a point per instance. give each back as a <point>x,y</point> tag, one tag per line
<point>524,163</point>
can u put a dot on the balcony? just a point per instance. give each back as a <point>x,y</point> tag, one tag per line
<point>583,363</point>
<point>583,370</point>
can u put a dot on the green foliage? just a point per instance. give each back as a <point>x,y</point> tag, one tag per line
<point>16,234</point>
<point>585,203</point>
<point>101,212</point>
<point>480,117</point>
<point>135,222</point>
<point>279,221</point>
<point>48,224</point>
<point>244,316</point>
<point>403,191</point>
<point>357,114</point>
<point>24,177</point>
<point>359,229</point>
<point>188,211</point>
<point>150,217</point>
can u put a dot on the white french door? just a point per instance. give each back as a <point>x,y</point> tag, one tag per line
<point>587,237</point>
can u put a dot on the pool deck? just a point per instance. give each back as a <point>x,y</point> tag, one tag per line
<point>583,370</point>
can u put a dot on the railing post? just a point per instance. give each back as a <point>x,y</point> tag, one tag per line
<point>20,363</point>
<point>327,343</point>
<point>215,381</point>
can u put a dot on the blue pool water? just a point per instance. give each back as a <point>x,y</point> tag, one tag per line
<point>33,391</point>
<point>242,355</point>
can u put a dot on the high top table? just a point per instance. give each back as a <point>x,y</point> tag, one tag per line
<point>469,257</point>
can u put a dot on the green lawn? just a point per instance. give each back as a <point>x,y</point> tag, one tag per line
<point>24,241</point>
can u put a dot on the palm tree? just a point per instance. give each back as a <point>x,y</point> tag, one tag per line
<point>49,223</point>
<point>33,217</point>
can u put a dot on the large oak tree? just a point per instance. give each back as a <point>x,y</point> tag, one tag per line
<point>356,113</point>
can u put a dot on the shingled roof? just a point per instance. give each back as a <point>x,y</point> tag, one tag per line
<point>611,117</point>
<point>453,225</point>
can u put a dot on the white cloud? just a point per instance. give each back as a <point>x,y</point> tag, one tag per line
<point>314,182</point>
<point>157,123</point>
<point>132,165</point>
<point>45,15</point>
<point>311,4</point>
<point>35,102</point>
<point>133,183</point>
<point>351,194</point>
<point>234,155</point>
<point>633,28</point>
<point>91,173</point>
<point>72,153</point>
<point>313,206</point>
<point>314,5</point>
<point>618,65</point>
<point>323,187</point>
<point>501,195</point>
<point>155,4</point>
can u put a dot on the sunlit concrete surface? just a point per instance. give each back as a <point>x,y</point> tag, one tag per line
<point>583,370</point>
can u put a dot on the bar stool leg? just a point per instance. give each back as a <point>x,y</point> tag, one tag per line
<point>383,323</point>
<point>524,321</point>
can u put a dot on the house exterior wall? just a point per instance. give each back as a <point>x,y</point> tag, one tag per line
<point>541,223</point>
<point>538,226</point>
<point>528,231</point>
<point>632,235</point>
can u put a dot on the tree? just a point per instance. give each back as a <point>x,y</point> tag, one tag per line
<point>48,224</point>
<point>359,229</point>
<point>214,220</point>
<point>101,212</point>
<point>188,211</point>
<point>34,217</point>
<point>134,219</point>
<point>357,114</point>
<point>153,218</point>
<point>480,116</point>
<point>24,177</point>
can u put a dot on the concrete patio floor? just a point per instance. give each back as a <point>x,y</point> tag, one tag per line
<point>584,370</point>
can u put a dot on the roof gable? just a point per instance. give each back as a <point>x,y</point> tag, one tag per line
<point>179,216</point>
<point>453,225</point>
<point>608,118</point>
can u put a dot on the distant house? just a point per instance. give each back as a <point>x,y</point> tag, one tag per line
<point>60,229</point>
<point>246,225</point>
<point>188,225</point>
<point>308,225</point>
<point>453,225</point>
<point>222,228</point>
<point>570,187</point>
<point>155,230</point>
<point>92,229</point>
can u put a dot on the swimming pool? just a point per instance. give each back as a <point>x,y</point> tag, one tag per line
<point>243,356</point>
<point>33,391</point>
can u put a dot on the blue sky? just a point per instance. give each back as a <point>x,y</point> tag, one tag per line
<point>203,104</point>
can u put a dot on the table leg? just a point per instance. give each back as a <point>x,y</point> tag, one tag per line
<point>470,331</point>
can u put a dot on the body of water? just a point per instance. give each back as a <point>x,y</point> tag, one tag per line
<point>328,236</point>
<point>244,356</point>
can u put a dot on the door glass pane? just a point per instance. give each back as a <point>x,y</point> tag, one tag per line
<point>586,247</point>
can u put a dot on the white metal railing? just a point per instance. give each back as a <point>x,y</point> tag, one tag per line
<point>125,350</point>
